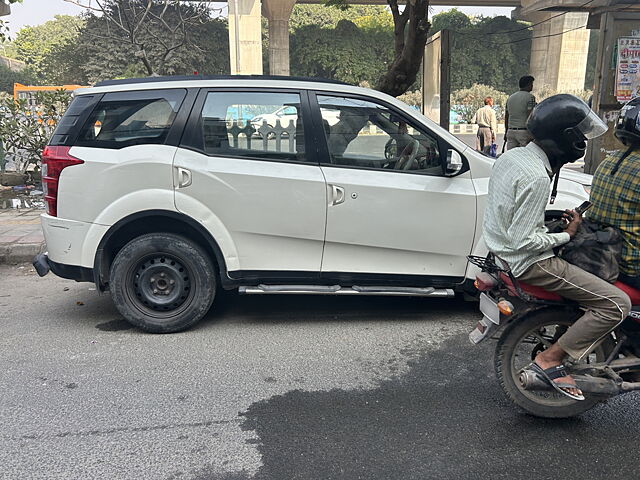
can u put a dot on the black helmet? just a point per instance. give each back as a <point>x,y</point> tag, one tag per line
<point>628,126</point>
<point>561,125</point>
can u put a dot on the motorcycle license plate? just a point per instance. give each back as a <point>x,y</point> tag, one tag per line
<point>489,322</point>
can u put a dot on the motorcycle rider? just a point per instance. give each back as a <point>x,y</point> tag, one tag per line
<point>615,192</point>
<point>514,230</point>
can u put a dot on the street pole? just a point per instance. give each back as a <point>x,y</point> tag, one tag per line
<point>237,35</point>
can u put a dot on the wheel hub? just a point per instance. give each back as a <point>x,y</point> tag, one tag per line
<point>161,283</point>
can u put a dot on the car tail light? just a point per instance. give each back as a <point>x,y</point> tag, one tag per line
<point>485,281</point>
<point>54,160</point>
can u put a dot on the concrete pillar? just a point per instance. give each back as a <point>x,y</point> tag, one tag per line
<point>278,13</point>
<point>245,37</point>
<point>559,60</point>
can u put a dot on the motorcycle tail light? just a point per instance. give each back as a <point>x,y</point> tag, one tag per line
<point>505,307</point>
<point>485,281</point>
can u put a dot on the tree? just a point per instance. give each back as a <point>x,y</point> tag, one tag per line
<point>345,53</point>
<point>91,60</point>
<point>466,102</point>
<point>487,50</point>
<point>411,29</point>
<point>8,77</point>
<point>304,15</point>
<point>155,31</point>
<point>34,44</point>
<point>25,131</point>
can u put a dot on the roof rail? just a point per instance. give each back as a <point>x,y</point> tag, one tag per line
<point>181,78</point>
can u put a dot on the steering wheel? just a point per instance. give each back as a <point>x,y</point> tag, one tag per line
<point>408,155</point>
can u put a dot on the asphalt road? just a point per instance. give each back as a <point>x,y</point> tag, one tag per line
<point>275,388</point>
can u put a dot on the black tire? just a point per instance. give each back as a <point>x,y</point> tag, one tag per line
<point>162,282</point>
<point>540,404</point>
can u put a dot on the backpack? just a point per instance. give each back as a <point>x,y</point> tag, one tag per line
<point>595,248</point>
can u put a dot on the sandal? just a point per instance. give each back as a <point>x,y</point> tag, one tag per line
<point>550,374</point>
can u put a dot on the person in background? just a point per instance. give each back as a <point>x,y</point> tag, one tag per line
<point>615,192</point>
<point>519,107</point>
<point>487,122</point>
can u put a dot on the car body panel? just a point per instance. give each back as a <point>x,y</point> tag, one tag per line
<point>274,212</point>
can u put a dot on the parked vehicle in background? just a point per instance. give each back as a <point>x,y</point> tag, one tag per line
<point>155,196</point>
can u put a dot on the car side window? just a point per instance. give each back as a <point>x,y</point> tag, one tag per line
<point>365,134</point>
<point>131,118</point>
<point>258,125</point>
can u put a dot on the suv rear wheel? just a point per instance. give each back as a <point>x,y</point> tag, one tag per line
<point>162,283</point>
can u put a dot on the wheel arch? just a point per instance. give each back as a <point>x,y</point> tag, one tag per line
<point>150,221</point>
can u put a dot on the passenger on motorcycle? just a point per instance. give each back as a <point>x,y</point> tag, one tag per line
<point>615,192</point>
<point>514,230</point>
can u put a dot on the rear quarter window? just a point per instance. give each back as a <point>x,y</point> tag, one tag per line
<point>131,118</point>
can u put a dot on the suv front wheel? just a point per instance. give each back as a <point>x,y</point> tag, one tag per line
<point>162,283</point>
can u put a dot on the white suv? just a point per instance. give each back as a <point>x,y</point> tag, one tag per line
<point>159,191</point>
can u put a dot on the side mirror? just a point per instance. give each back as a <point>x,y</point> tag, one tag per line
<point>454,163</point>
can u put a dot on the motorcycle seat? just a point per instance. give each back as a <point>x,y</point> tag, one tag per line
<point>542,294</point>
<point>537,292</point>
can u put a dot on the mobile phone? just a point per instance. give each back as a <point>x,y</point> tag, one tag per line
<point>584,206</point>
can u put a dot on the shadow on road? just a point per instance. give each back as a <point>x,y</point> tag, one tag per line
<point>446,418</point>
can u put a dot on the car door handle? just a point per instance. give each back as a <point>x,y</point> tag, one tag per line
<point>337,195</point>
<point>184,177</point>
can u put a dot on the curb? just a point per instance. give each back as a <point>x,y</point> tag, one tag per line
<point>12,253</point>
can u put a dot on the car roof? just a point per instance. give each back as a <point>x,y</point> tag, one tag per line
<point>124,81</point>
<point>200,81</point>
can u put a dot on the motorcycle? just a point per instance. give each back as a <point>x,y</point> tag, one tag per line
<point>526,320</point>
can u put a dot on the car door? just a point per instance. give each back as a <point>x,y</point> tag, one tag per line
<point>391,208</point>
<point>263,197</point>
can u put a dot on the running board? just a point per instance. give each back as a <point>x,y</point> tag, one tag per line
<point>355,290</point>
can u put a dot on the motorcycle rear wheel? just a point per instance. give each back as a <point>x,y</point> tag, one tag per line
<point>517,347</point>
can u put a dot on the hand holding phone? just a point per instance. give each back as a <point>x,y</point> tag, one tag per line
<point>583,207</point>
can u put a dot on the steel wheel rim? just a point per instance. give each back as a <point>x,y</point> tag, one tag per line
<point>160,285</point>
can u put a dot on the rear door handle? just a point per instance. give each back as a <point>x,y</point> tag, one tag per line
<point>337,195</point>
<point>184,177</point>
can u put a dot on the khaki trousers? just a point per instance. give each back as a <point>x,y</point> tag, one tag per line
<point>483,139</point>
<point>518,138</point>
<point>606,306</point>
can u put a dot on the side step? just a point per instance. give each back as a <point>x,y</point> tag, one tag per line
<point>355,290</point>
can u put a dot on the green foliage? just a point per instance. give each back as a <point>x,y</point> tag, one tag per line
<point>25,130</point>
<point>379,22</point>
<point>352,45</point>
<point>35,45</point>
<point>98,55</point>
<point>8,77</point>
<point>546,92</point>
<point>482,54</point>
<point>345,53</point>
<point>413,98</point>
<point>466,102</point>
<point>327,17</point>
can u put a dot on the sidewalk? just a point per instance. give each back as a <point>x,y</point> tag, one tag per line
<point>21,236</point>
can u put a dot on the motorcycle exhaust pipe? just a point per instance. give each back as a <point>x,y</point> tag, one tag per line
<point>601,386</point>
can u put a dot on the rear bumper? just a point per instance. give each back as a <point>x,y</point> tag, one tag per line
<point>43,264</point>
<point>71,242</point>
